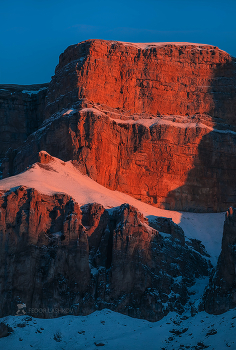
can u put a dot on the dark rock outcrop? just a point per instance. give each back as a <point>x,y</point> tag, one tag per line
<point>220,296</point>
<point>21,113</point>
<point>58,258</point>
<point>5,330</point>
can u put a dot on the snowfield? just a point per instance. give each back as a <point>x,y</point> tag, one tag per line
<point>59,176</point>
<point>109,330</point>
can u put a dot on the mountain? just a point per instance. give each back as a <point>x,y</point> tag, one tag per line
<point>115,179</point>
<point>86,257</point>
<point>154,121</point>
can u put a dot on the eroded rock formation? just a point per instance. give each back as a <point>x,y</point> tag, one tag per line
<point>180,152</point>
<point>168,165</point>
<point>164,79</point>
<point>58,256</point>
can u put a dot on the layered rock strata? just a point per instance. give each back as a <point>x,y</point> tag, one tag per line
<point>179,165</point>
<point>220,295</point>
<point>58,258</point>
<point>154,79</point>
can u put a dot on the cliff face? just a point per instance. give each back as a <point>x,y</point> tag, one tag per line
<point>154,121</point>
<point>158,79</point>
<point>174,165</point>
<point>220,295</point>
<point>21,113</point>
<point>55,255</point>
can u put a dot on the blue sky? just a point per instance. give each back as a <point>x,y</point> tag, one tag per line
<point>35,32</point>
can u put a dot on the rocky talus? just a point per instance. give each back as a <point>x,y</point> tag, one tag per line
<point>58,258</point>
<point>220,295</point>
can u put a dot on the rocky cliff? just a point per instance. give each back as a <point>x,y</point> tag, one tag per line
<point>153,79</point>
<point>220,295</point>
<point>21,113</point>
<point>179,165</point>
<point>55,255</point>
<point>155,121</point>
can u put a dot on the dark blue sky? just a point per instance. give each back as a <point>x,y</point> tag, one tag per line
<point>33,33</point>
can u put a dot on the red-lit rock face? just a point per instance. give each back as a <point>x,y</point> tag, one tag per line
<point>166,79</point>
<point>176,162</point>
<point>166,165</point>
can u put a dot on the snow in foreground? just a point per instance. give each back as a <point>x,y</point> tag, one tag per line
<point>110,330</point>
<point>58,176</point>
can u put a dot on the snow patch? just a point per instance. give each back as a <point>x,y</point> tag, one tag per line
<point>151,122</point>
<point>92,110</point>
<point>33,92</point>
<point>57,234</point>
<point>146,46</point>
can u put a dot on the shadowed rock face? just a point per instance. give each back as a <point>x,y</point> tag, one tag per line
<point>220,295</point>
<point>21,113</point>
<point>58,256</point>
<point>5,330</point>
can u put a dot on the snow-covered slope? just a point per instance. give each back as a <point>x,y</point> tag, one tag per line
<point>58,176</point>
<point>112,331</point>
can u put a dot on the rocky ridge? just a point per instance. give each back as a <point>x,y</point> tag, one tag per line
<point>56,255</point>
